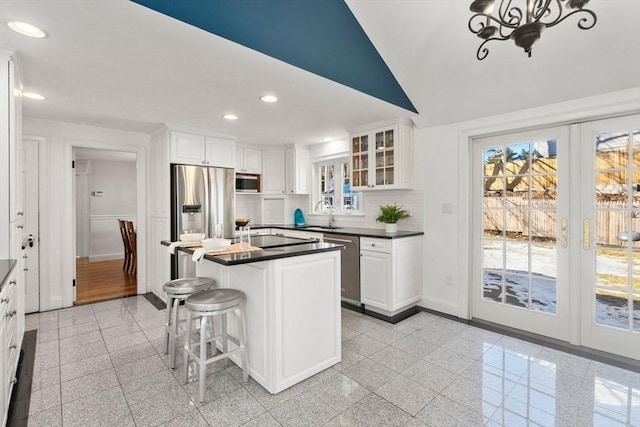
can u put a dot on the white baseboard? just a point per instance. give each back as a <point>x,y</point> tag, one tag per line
<point>106,257</point>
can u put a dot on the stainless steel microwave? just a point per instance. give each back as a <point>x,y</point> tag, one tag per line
<point>247,183</point>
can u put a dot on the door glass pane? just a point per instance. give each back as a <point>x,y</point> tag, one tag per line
<point>493,282</point>
<point>517,159</point>
<point>617,230</point>
<point>612,308</point>
<point>389,176</point>
<point>492,221</point>
<point>543,293</point>
<point>493,162</point>
<point>364,161</point>
<point>516,289</point>
<point>517,259</point>
<point>355,145</point>
<point>520,215</point>
<point>612,150</point>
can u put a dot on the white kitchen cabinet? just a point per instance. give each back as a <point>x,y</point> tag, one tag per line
<point>10,340</point>
<point>248,160</point>
<point>382,157</point>
<point>297,171</point>
<point>201,150</point>
<point>273,172</point>
<point>390,273</point>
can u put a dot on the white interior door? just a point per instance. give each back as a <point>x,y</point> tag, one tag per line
<point>31,238</point>
<point>520,222</point>
<point>610,247</point>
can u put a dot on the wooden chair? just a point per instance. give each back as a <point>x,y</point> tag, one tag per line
<point>131,232</point>
<point>127,246</point>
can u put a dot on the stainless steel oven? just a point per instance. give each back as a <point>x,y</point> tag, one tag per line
<point>247,183</point>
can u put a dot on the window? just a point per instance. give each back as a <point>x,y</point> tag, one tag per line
<point>333,187</point>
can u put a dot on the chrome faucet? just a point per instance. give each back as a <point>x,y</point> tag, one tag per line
<point>331,218</point>
<point>318,204</point>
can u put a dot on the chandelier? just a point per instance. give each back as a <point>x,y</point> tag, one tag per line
<point>524,26</point>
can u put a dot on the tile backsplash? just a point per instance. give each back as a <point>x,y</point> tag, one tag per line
<point>265,209</point>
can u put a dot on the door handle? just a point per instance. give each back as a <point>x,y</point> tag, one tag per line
<point>586,244</point>
<point>563,232</point>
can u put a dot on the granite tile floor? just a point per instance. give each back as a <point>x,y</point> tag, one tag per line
<point>102,364</point>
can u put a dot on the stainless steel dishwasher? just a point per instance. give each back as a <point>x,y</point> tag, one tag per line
<point>350,260</point>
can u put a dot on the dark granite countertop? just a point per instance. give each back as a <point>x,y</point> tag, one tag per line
<point>6,266</point>
<point>350,231</point>
<point>273,247</point>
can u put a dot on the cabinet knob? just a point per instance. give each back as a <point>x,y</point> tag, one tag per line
<point>20,213</point>
<point>13,347</point>
<point>3,300</point>
<point>20,226</point>
<point>12,282</point>
<point>373,244</point>
<point>25,269</point>
<point>25,256</point>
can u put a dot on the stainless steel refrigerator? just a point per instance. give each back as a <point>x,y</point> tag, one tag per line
<point>201,198</point>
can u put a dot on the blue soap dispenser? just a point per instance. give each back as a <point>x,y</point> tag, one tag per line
<point>298,218</point>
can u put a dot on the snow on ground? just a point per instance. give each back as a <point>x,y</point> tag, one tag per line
<point>610,310</point>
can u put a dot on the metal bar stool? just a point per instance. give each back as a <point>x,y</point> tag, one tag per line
<point>206,305</point>
<point>178,290</point>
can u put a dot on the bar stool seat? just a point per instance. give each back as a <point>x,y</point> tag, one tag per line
<point>178,290</point>
<point>205,305</point>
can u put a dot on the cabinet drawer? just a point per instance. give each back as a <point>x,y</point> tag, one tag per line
<point>375,245</point>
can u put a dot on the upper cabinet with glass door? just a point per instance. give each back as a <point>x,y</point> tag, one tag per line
<point>382,157</point>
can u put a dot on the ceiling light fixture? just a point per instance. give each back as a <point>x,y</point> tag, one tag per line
<point>33,95</point>
<point>230,117</point>
<point>27,29</point>
<point>269,98</point>
<point>523,26</point>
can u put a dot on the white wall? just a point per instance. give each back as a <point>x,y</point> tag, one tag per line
<point>443,163</point>
<point>117,182</point>
<point>57,264</point>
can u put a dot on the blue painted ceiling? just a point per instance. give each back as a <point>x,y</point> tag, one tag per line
<point>319,36</point>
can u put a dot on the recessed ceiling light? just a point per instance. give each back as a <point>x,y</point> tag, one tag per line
<point>230,117</point>
<point>33,95</point>
<point>27,29</point>
<point>268,98</point>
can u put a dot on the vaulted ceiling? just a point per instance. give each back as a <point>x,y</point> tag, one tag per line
<point>118,64</point>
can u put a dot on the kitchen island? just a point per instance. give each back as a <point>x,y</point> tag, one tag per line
<point>292,306</point>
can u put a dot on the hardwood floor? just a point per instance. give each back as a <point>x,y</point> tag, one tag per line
<point>102,280</point>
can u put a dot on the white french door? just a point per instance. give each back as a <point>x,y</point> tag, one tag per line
<point>558,253</point>
<point>520,221</point>
<point>610,247</point>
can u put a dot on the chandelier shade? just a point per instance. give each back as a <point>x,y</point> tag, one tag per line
<point>523,20</point>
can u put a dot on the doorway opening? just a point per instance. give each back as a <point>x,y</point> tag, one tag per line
<point>105,193</point>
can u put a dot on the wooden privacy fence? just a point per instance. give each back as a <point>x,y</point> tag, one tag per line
<point>537,218</point>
